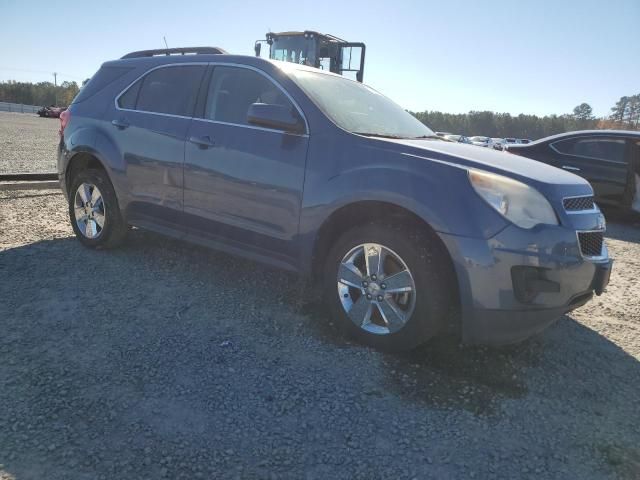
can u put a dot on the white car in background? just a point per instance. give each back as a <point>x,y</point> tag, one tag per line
<point>480,141</point>
<point>497,143</point>
<point>457,138</point>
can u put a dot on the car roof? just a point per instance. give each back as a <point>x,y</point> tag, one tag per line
<point>587,133</point>
<point>250,60</point>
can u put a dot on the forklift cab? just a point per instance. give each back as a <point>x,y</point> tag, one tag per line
<point>316,50</point>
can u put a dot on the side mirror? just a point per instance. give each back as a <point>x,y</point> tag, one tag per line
<point>258,48</point>
<point>277,117</point>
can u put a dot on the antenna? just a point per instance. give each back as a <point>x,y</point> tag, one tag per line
<point>165,44</point>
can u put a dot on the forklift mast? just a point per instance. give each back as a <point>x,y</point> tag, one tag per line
<point>316,50</point>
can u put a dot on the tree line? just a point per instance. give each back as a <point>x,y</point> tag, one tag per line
<point>624,115</point>
<point>41,93</point>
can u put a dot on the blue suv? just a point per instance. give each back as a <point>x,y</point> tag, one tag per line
<point>324,176</point>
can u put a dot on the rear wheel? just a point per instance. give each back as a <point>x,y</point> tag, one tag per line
<point>388,286</point>
<point>94,211</point>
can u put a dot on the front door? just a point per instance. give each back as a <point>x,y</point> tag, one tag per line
<point>603,161</point>
<point>242,183</point>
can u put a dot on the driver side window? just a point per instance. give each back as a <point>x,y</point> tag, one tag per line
<point>233,90</point>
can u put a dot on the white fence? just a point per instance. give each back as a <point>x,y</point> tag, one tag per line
<point>18,107</point>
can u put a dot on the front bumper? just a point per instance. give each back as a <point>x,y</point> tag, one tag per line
<point>558,278</point>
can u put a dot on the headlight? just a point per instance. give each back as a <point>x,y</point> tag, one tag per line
<point>517,202</point>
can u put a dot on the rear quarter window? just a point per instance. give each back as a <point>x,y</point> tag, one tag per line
<point>101,79</point>
<point>128,99</point>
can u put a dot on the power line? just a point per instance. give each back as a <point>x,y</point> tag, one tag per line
<point>40,71</point>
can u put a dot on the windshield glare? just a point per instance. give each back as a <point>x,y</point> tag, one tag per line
<point>358,108</point>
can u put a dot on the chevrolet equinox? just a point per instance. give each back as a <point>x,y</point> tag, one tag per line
<point>321,175</point>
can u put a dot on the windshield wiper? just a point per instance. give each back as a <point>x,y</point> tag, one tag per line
<point>377,135</point>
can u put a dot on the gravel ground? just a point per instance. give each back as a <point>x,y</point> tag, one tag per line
<point>165,360</point>
<point>27,143</point>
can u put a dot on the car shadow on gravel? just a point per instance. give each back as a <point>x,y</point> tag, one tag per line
<point>627,232</point>
<point>446,374</point>
<point>622,225</point>
<point>443,372</point>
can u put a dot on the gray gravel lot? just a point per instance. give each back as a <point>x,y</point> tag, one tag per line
<point>165,360</point>
<point>27,143</point>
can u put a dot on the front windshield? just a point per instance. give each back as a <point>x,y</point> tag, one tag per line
<point>358,108</point>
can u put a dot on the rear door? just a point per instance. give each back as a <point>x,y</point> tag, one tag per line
<point>602,160</point>
<point>150,123</point>
<point>243,183</point>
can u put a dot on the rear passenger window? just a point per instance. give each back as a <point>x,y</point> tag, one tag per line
<point>232,91</point>
<point>611,149</point>
<point>171,90</point>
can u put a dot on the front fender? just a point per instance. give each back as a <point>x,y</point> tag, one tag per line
<point>439,194</point>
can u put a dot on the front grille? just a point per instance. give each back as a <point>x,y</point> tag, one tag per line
<point>591,243</point>
<point>573,204</point>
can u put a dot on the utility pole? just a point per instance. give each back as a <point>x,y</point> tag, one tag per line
<point>55,84</point>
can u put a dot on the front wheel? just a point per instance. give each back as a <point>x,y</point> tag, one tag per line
<point>388,286</point>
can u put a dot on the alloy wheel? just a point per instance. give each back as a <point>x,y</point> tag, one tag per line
<point>89,210</point>
<point>376,289</point>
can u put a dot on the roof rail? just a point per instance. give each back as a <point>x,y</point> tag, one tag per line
<point>176,51</point>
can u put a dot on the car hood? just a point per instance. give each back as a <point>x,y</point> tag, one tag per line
<point>514,166</point>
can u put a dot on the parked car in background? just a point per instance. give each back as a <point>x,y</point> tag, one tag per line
<point>457,138</point>
<point>608,159</point>
<point>51,111</point>
<point>312,172</point>
<point>480,141</point>
<point>497,143</point>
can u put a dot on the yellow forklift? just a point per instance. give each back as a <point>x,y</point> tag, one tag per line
<point>318,50</point>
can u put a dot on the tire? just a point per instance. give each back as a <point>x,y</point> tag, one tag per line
<point>90,233</point>
<point>425,306</point>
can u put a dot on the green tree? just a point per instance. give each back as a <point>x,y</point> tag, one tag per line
<point>583,112</point>
<point>632,113</point>
<point>619,110</point>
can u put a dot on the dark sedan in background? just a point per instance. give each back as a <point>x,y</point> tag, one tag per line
<point>608,159</point>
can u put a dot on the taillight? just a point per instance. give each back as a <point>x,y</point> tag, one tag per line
<point>64,120</point>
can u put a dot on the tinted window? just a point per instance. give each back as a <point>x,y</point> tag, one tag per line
<point>232,91</point>
<point>611,149</point>
<point>128,98</point>
<point>171,90</point>
<point>101,79</point>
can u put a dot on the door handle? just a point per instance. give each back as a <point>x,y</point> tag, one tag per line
<point>203,142</point>
<point>121,124</point>
<point>573,169</point>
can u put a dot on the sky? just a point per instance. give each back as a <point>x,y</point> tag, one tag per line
<point>535,57</point>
